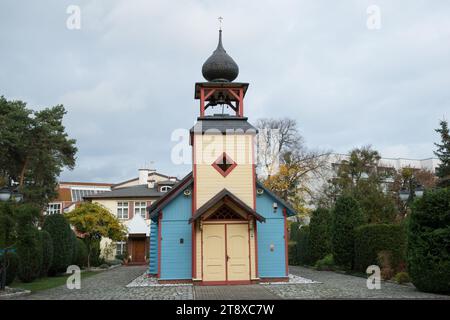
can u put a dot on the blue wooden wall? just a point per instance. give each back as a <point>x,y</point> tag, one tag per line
<point>176,257</point>
<point>270,263</point>
<point>153,268</point>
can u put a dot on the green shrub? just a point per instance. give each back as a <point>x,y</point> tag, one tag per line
<point>12,269</point>
<point>428,234</point>
<point>292,253</point>
<point>319,231</point>
<point>114,262</point>
<point>371,239</point>
<point>82,254</point>
<point>325,264</point>
<point>62,236</point>
<point>303,247</point>
<point>346,216</point>
<point>402,277</point>
<point>29,248</point>
<point>47,252</point>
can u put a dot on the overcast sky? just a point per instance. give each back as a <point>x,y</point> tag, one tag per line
<point>126,77</point>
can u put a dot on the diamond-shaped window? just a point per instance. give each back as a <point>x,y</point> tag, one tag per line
<point>224,164</point>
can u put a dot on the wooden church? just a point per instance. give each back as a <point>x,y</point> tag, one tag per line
<point>219,225</point>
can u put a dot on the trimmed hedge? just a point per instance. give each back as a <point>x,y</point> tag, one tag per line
<point>303,246</point>
<point>62,236</point>
<point>320,237</point>
<point>292,253</point>
<point>428,251</point>
<point>47,252</point>
<point>371,239</point>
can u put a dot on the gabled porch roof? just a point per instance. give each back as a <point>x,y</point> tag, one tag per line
<point>226,197</point>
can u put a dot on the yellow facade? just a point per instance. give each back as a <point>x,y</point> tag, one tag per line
<point>207,149</point>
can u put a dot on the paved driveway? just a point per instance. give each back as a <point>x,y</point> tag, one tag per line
<point>340,286</point>
<point>112,285</point>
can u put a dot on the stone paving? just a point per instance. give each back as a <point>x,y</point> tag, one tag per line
<point>340,286</point>
<point>112,284</point>
<point>234,292</point>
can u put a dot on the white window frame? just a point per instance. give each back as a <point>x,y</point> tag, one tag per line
<point>165,188</point>
<point>54,208</point>
<point>122,210</point>
<point>120,247</point>
<point>140,207</point>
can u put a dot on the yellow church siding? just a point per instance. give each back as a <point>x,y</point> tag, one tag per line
<point>198,255</point>
<point>252,251</point>
<point>209,181</point>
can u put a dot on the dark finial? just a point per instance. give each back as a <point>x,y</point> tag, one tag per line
<point>220,67</point>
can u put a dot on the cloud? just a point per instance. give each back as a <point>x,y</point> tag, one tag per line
<point>127,77</point>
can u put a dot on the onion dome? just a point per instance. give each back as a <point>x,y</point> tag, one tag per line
<point>220,67</point>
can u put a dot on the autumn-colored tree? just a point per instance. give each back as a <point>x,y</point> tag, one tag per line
<point>287,165</point>
<point>93,221</point>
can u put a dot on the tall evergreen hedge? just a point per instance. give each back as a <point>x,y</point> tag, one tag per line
<point>371,239</point>
<point>428,251</point>
<point>62,236</point>
<point>47,252</point>
<point>29,249</point>
<point>346,216</point>
<point>319,234</point>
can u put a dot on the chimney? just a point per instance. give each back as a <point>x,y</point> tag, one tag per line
<point>143,176</point>
<point>173,178</point>
<point>151,184</point>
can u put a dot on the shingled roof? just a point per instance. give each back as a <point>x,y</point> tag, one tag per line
<point>140,191</point>
<point>223,124</point>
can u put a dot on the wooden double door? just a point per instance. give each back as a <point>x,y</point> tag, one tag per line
<point>226,252</point>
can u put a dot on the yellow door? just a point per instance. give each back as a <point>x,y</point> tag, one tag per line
<point>214,254</point>
<point>238,252</point>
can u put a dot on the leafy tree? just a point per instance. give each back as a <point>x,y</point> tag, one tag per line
<point>29,247</point>
<point>35,149</point>
<point>320,233</point>
<point>346,216</point>
<point>62,237</point>
<point>361,165</point>
<point>361,176</point>
<point>428,252</point>
<point>93,221</point>
<point>47,252</point>
<point>443,153</point>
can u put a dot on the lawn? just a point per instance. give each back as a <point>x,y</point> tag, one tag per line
<point>48,282</point>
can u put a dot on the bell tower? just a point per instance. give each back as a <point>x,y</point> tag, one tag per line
<point>223,141</point>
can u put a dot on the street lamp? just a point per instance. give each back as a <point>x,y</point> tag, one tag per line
<point>7,194</point>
